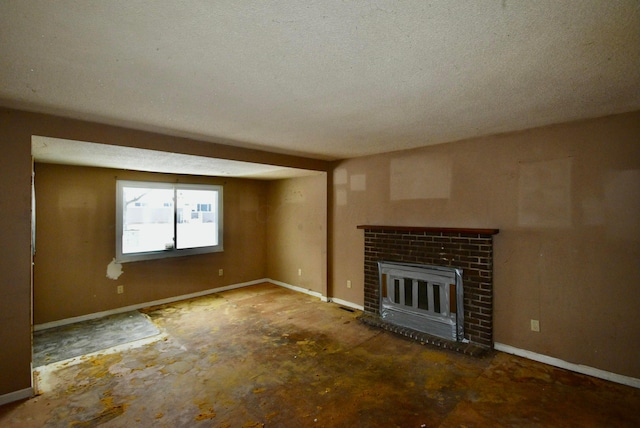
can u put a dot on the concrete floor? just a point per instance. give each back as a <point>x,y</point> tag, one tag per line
<point>73,340</point>
<point>268,356</point>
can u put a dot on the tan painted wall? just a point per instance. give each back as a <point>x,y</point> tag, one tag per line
<point>75,241</point>
<point>16,129</point>
<point>566,199</point>
<point>297,232</point>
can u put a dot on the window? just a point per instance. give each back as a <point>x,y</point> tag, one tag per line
<point>157,220</point>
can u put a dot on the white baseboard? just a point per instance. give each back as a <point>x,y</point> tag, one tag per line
<point>578,368</point>
<point>135,307</point>
<point>145,305</point>
<point>299,289</point>
<point>346,303</point>
<point>16,396</point>
<point>318,295</point>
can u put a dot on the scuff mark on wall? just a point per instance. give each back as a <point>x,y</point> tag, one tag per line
<point>294,196</point>
<point>76,197</point>
<point>114,270</point>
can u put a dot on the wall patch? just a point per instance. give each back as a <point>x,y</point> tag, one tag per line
<point>114,270</point>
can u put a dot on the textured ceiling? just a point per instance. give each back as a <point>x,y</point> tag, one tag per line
<point>55,150</point>
<point>325,79</point>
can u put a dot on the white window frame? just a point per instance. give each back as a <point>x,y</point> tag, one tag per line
<point>169,252</point>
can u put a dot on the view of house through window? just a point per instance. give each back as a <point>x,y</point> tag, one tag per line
<point>156,220</point>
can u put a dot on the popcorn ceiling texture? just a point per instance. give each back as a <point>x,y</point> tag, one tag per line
<point>324,79</point>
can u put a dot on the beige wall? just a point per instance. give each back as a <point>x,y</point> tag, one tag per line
<point>16,129</point>
<point>75,242</point>
<point>566,199</point>
<point>297,232</point>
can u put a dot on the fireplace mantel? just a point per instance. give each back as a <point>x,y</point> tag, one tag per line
<point>460,230</point>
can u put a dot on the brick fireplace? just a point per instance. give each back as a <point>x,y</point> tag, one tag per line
<point>468,249</point>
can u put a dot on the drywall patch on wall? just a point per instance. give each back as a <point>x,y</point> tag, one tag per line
<point>420,177</point>
<point>622,201</point>
<point>358,182</point>
<point>114,270</point>
<point>340,176</point>
<point>341,197</point>
<point>544,193</point>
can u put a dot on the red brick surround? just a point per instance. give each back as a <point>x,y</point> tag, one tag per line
<point>468,249</point>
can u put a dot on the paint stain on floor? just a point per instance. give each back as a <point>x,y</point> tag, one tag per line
<point>267,356</point>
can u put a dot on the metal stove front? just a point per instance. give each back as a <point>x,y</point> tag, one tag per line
<point>423,297</point>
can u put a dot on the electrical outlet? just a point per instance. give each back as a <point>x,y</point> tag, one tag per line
<point>299,272</point>
<point>535,325</point>
<point>120,289</point>
<point>220,272</point>
<point>348,283</point>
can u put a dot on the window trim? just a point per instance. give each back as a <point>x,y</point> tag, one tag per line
<point>172,252</point>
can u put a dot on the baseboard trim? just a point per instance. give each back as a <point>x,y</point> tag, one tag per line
<point>318,295</point>
<point>135,307</point>
<point>578,368</point>
<point>16,396</point>
<point>346,303</point>
<point>299,289</point>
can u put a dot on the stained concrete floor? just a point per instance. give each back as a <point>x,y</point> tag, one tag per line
<point>86,337</point>
<point>268,356</point>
